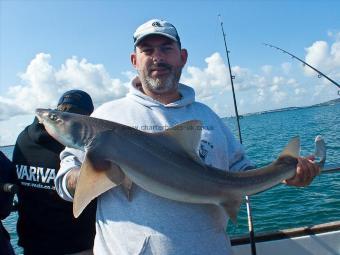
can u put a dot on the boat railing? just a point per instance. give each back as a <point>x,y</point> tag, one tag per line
<point>287,233</point>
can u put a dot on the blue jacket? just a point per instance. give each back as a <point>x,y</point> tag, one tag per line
<point>7,175</point>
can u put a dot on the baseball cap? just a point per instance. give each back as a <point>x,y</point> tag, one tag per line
<point>156,27</point>
<point>77,98</point>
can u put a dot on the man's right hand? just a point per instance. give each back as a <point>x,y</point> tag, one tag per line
<point>72,179</point>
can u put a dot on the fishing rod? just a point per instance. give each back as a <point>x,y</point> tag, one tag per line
<point>331,169</point>
<point>320,74</point>
<point>232,77</point>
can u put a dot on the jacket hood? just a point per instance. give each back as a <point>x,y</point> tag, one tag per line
<point>135,93</point>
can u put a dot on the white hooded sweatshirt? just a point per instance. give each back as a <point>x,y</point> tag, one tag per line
<point>150,224</point>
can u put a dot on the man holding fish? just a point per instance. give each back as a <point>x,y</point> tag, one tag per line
<point>166,214</point>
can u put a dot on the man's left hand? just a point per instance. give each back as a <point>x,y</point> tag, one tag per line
<point>306,170</point>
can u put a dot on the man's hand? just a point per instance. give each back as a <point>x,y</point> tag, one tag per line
<point>306,170</point>
<point>71,180</point>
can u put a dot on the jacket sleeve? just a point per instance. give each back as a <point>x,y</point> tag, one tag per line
<point>69,158</point>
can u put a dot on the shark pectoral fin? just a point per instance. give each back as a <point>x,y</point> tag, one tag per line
<point>187,138</point>
<point>93,181</point>
<point>232,207</point>
<point>293,148</point>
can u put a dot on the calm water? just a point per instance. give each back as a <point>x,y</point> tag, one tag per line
<point>264,136</point>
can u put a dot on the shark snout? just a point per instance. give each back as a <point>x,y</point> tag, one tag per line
<point>41,114</point>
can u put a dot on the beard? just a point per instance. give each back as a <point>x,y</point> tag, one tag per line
<point>164,84</point>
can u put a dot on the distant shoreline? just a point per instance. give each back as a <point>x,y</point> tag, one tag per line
<point>4,146</point>
<point>331,102</point>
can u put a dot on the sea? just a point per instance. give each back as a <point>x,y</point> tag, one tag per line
<point>264,135</point>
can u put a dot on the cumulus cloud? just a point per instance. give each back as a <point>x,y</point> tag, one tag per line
<point>244,78</point>
<point>324,57</point>
<point>214,78</point>
<point>209,80</point>
<point>267,89</point>
<point>41,85</point>
<point>317,56</point>
<point>93,78</point>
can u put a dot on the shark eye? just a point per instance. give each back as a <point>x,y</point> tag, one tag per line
<point>53,116</point>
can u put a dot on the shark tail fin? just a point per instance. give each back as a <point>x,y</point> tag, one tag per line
<point>320,150</point>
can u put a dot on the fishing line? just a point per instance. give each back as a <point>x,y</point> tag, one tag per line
<point>320,74</point>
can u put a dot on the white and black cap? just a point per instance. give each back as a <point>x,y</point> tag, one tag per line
<point>156,27</point>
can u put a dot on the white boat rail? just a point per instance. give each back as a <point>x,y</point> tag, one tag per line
<point>322,239</point>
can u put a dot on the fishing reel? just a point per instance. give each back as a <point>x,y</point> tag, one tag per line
<point>9,188</point>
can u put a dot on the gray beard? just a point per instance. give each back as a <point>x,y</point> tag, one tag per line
<point>157,85</point>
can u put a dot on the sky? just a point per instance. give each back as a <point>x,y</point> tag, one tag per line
<point>48,47</point>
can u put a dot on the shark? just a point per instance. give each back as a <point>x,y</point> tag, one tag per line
<point>164,163</point>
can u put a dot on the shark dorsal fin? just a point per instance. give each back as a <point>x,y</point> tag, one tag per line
<point>185,137</point>
<point>293,148</point>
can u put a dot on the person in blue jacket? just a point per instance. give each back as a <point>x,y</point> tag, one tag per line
<point>45,222</point>
<point>7,175</point>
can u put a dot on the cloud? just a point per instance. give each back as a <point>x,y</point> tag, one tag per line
<point>316,56</point>
<point>41,85</point>
<point>286,67</point>
<point>254,90</point>
<point>267,69</point>
<point>260,95</point>
<point>214,78</point>
<point>270,88</point>
<point>210,80</point>
<point>244,79</point>
<point>92,78</point>
<point>324,57</point>
<point>8,108</point>
<point>10,128</point>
